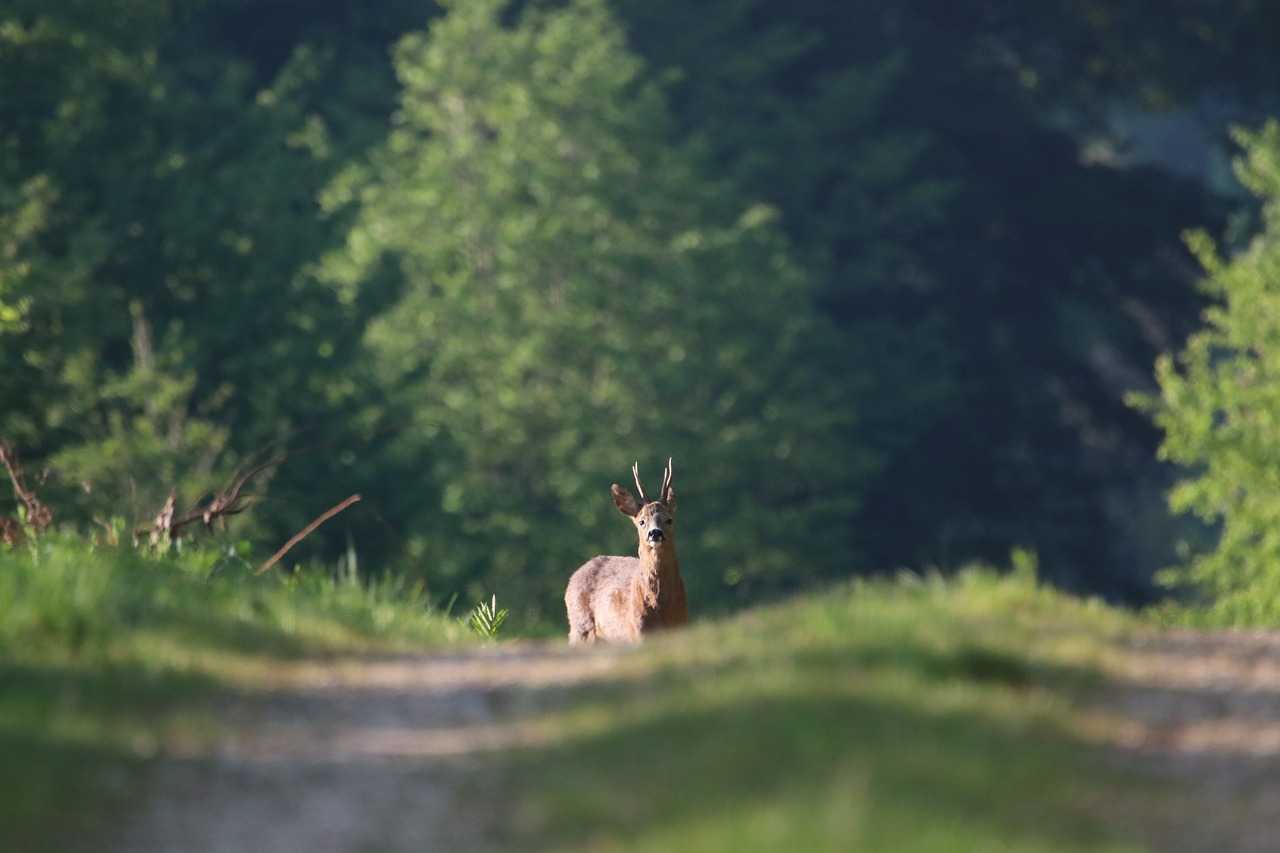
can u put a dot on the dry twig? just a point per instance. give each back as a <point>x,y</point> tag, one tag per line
<point>227,502</point>
<point>11,532</point>
<point>39,515</point>
<point>306,531</point>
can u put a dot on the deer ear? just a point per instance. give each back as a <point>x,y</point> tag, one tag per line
<point>623,500</point>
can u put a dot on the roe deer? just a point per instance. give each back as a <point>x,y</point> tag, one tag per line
<point>623,598</point>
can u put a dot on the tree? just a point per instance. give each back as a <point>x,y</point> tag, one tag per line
<point>1001,295</point>
<point>158,199</point>
<point>1219,409</point>
<point>578,292</point>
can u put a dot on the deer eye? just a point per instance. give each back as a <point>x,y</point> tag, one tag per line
<point>642,522</point>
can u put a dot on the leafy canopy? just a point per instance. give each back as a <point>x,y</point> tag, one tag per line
<point>579,292</point>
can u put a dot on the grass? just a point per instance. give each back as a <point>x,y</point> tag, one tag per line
<point>915,715</point>
<point>108,653</point>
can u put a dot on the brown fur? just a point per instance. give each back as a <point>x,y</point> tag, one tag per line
<point>620,599</point>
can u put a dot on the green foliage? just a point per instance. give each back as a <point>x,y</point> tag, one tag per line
<point>159,210</point>
<point>579,291</point>
<point>486,619</point>
<point>1219,409</point>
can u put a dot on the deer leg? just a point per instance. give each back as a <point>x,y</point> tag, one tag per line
<point>582,623</point>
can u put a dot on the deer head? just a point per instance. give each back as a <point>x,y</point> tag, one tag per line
<point>655,520</point>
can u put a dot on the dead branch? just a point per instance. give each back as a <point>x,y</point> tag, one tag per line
<point>39,515</point>
<point>162,526</point>
<point>225,503</point>
<point>110,534</point>
<point>11,532</point>
<point>306,531</point>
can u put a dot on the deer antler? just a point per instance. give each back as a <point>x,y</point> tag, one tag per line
<point>666,482</point>
<point>635,472</point>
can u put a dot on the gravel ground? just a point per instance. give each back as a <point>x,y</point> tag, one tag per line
<point>369,755</point>
<point>1201,711</point>
<point>356,756</point>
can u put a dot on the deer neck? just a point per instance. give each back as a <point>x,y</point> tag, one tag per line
<point>659,570</point>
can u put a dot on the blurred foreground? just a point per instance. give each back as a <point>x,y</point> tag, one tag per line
<point>921,714</point>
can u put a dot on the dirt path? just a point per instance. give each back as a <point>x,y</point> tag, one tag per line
<point>373,755</point>
<point>1202,710</point>
<point>351,756</point>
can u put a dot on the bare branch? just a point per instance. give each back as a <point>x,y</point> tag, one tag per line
<point>10,532</point>
<point>162,527</point>
<point>225,503</point>
<point>306,531</point>
<point>39,515</point>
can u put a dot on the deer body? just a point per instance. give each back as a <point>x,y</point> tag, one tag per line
<point>620,599</point>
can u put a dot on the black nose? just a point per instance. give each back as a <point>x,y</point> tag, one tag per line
<point>656,534</point>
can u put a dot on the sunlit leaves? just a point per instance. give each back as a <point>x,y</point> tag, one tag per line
<point>1219,407</point>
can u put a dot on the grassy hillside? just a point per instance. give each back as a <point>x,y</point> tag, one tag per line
<point>107,653</point>
<point>902,715</point>
<point>915,715</point>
